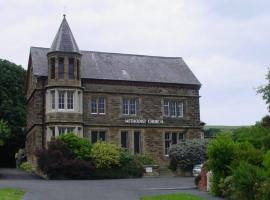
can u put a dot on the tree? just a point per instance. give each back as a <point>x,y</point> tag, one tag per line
<point>265,90</point>
<point>4,132</point>
<point>12,109</point>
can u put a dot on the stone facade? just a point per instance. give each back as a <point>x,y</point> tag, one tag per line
<point>58,103</point>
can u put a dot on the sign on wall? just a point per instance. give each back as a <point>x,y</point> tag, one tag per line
<point>144,121</point>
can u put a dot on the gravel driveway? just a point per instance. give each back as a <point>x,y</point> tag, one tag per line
<point>119,189</point>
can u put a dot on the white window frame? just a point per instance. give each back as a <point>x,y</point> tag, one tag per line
<point>172,105</point>
<point>97,105</point>
<point>78,130</point>
<point>76,100</point>
<point>166,150</point>
<point>129,105</point>
<point>67,94</point>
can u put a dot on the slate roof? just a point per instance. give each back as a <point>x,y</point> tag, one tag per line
<point>127,67</point>
<point>64,40</point>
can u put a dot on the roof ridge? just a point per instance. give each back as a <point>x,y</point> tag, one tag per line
<point>126,54</point>
<point>129,54</point>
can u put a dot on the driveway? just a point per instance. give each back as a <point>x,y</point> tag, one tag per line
<point>119,189</point>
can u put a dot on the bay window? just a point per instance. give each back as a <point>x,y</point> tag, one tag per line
<point>64,100</point>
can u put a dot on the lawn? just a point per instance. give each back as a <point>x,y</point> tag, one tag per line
<point>173,197</point>
<point>11,194</point>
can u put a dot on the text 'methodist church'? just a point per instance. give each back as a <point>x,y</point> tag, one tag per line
<point>142,103</point>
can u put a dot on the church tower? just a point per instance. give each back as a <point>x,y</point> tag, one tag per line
<point>64,91</point>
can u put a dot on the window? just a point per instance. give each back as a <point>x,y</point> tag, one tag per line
<point>172,108</point>
<point>137,142</point>
<point>125,107</point>
<point>61,99</point>
<point>172,138</point>
<point>61,130</point>
<point>98,105</point>
<point>71,68</point>
<point>98,136</point>
<point>130,106</point>
<point>61,68</point>
<point>52,99</point>
<point>52,68</point>
<point>124,139</point>
<point>52,131</point>
<point>64,130</point>
<point>78,69</point>
<point>70,100</point>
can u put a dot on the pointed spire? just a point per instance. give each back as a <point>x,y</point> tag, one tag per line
<point>64,40</point>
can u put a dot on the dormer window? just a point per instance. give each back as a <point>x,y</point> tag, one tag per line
<point>52,68</point>
<point>61,68</point>
<point>71,64</point>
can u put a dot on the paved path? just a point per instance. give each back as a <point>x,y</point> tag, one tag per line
<point>120,189</point>
<point>15,174</point>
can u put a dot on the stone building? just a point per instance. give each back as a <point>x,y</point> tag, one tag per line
<point>143,103</point>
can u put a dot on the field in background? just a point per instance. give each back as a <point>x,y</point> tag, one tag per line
<point>224,128</point>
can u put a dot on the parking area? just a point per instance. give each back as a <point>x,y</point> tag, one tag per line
<point>119,189</point>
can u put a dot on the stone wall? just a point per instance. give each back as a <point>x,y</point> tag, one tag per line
<point>150,100</point>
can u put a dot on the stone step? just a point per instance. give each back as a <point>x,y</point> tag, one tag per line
<point>166,172</point>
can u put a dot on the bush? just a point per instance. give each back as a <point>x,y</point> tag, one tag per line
<point>226,187</point>
<point>144,159</point>
<point>248,153</point>
<point>81,147</point>
<point>263,191</point>
<point>221,152</point>
<point>247,179</point>
<point>58,162</point>
<point>266,162</point>
<point>188,153</point>
<point>106,155</point>
<point>129,166</point>
<point>257,135</point>
<point>26,167</point>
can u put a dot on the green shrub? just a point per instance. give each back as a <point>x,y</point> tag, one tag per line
<point>129,166</point>
<point>247,179</point>
<point>266,161</point>
<point>226,187</point>
<point>188,153</point>
<point>106,155</point>
<point>263,190</point>
<point>59,162</point>
<point>144,159</point>
<point>26,166</point>
<point>221,152</point>
<point>248,153</point>
<point>257,135</point>
<point>81,147</point>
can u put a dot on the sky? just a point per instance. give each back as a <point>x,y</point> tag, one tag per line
<point>225,43</point>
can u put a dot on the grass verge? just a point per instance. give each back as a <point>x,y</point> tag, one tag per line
<point>173,197</point>
<point>11,194</point>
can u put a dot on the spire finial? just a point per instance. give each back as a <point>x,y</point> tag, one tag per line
<point>64,15</point>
